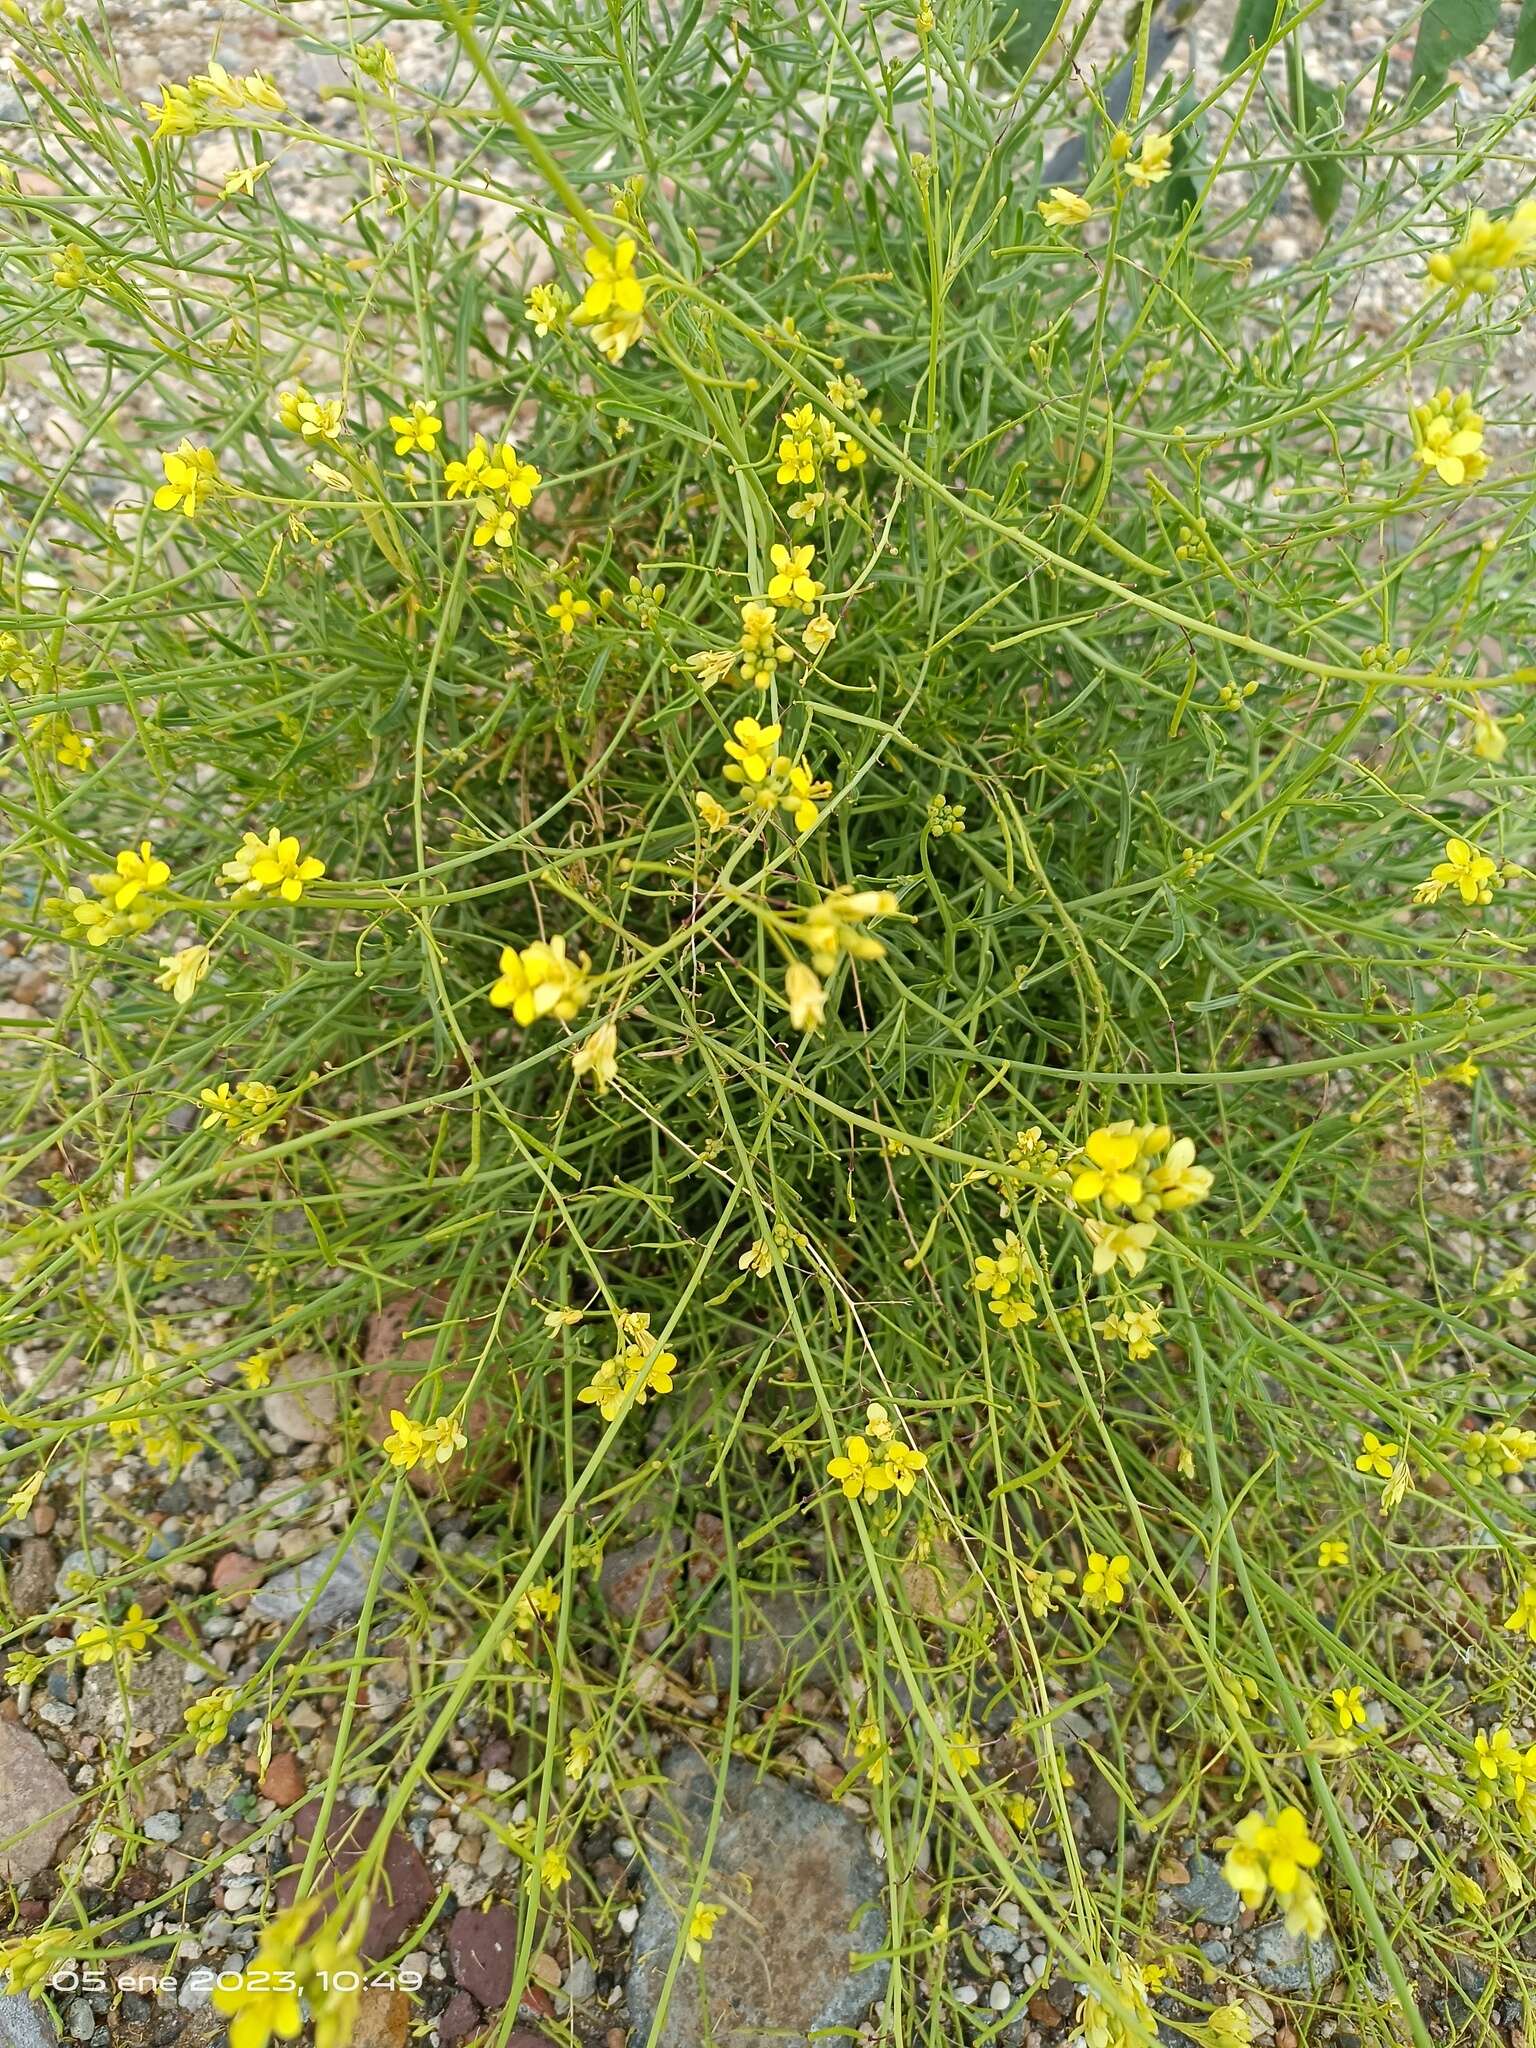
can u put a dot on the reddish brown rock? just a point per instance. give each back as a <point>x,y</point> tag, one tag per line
<point>457,2020</point>
<point>282,1780</point>
<point>638,1582</point>
<point>405,1888</point>
<point>483,1950</point>
<point>234,1572</point>
<point>383,2018</point>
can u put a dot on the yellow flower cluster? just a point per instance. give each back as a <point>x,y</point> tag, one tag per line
<point>27,1965</point>
<point>500,485</point>
<point>312,419</point>
<point>263,2001</point>
<point>274,866</point>
<point>1007,1277</point>
<point>864,1469</point>
<point>208,99</point>
<point>613,304</point>
<point>770,780</point>
<point>412,1443</point>
<point>208,1718</point>
<point>546,307</point>
<point>1502,1771</point>
<point>1135,1324</point>
<point>1488,247</point>
<point>1102,2025</point>
<point>762,651</point>
<point>830,930</point>
<point>638,1368</point>
<point>1448,437</point>
<point>1274,1853</point>
<point>541,980</point>
<point>808,444</point>
<point>1141,1169</point>
<point>1521,1619</point>
<point>191,479</point>
<point>56,731</point>
<point>1151,163</point>
<point>246,1111</point>
<point>124,902</point>
<point>1498,1452</point>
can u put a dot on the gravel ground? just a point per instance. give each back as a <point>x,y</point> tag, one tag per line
<point>206,1837</point>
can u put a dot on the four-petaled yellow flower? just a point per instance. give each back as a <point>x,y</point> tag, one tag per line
<point>1275,1852</point>
<point>1521,1620</point>
<point>314,419</point>
<point>1473,875</point>
<point>1111,1153</point>
<point>1105,1579</point>
<point>566,610</point>
<point>261,2001</point>
<point>184,969</point>
<point>613,303</point>
<point>1348,1707</point>
<point>1375,1455</point>
<point>701,1928</point>
<point>542,980</point>
<point>415,431</point>
<point>139,870</point>
<point>1448,437</point>
<point>1332,1554</point>
<point>792,581</point>
<point>275,866</point>
<point>191,479</point>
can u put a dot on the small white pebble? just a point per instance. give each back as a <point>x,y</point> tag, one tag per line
<point>623,1848</point>
<point>967,1995</point>
<point>629,1917</point>
<point>1000,1997</point>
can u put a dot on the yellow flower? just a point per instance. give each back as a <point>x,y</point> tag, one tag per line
<point>1448,437</point>
<point>566,610</point>
<point>191,479</point>
<point>208,1718</point>
<point>701,1928</point>
<point>597,1055</point>
<point>71,749</point>
<point>1472,874</point>
<point>177,114</point>
<point>714,814</point>
<point>1332,1554</point>
<point>639,1368</point>
<point>818,634</point>
<point>256,1371</point>
<point>752,749</point>
<point>138,871</point>
<point>614,301</point>
<point>1104,1580</point>
<point>468,476</point>
<point>1154,162</point>
<point>792,581</point>
<point>541,981</point>
<point>1274,1852</point>
<point>797,456</point>
<point>515,479</point>
<point>1375,1455</point>
<point>1064,209</point>
<point>1490,742</point>
<point>245,1110</point>
<point>494,523</point>
<point>275,866</point>
<point>904,1463</point>
<point>963,1753</point>
<point>1115,1244</point>
<point>27,1965</point>
<point>1112,1152</point>
<point>1522,1619</point>
<point>242,180</point>
<point>869,1748</point>
<point>127,1639</point>
<point>806,997</point>
<point>1230,2026</point>
<point>546,306</point>
<point>554,1868</point>
<point>857,1470</point>
<point>24,1498</point>
<point>1348,1707</point>
<point>579,1753</point>
<point>415,431</point>
<point>833,927</point>
<point>1498,1452</point>
<point>314,419</point>
<point>1489,246</point>
<point>261,2002</point>
<point>1137,1326</point>
<point>184,969</point>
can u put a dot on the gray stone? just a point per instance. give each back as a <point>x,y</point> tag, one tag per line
<point>163,1827</point>
<point>287,1593</point>
<point>26,2023</point>
<point>36,1805</point>
<point>783,1635</point>
<point>300,1404</point>
<point>1289,1962</point>
<point>30,1579</point>
<point>81,2019</point>
<point>638,1582</point>
<point>803,1899</point>
<point>1207,1896</point>
<point>996,1941</point>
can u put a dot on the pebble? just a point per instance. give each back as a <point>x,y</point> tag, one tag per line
<point>997,1941</point>
<point>1001,1996</point>
<point>163,1827</point>
<point>25,2023</point>
<point>80,2019</point>
<point>629,1917</point>
<point>967,1994</point>
<point>35,1804</point>
<point>580,1979</point>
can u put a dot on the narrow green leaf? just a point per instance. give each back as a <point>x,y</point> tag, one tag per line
<point>1323,173</point>
<point>1523,52</point>
<point>1252,27</point>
